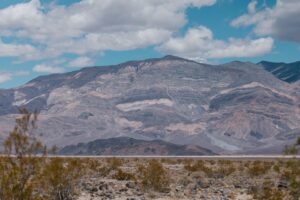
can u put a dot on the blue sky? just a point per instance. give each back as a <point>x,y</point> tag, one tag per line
<point>40,37</point>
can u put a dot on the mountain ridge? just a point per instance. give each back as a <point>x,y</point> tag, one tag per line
<point>130,146</point>
<point>170,99</point>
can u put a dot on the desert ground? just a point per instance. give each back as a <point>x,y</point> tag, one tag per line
<point>189,178</point>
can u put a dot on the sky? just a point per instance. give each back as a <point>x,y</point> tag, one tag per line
<point>40,37</point>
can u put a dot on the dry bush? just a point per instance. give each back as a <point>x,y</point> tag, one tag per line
<point>218,171</point>
<point>92,166</point>
<point>123,176</point>
<point>267,191</point>
<point>224,171</point>
<point>194,166</point>
<point>169,161</point>
<point>26,173</point>
<point>291,173</point>
<point>114,163</point>
<point>212,162</point>
<point>258,168</point>
<point>290,150</point>
<point>225,162</point>
<point>60,178</point>
<point>276,168</point>
<point>20,166</point>
<point>109,166</point>
<point>154,176</point>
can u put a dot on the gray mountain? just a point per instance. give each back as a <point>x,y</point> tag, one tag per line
<point>237,107</point>
<point>289,72</point>
<point>130,146</point>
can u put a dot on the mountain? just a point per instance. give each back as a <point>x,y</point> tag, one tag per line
<point>130,146</point>
<point>287,72</point>
<point>234,108</point>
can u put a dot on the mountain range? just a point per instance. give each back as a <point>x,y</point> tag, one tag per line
<point>232,108</point>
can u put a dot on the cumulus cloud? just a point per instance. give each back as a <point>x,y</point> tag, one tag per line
<point>81,62</point>
<point>252,6</point>
<point>4,77</point>
<point>15,50</point>
<point>47,69</point>
<point>199,43</point>
<point>281,21</point>
<point>90,26</point>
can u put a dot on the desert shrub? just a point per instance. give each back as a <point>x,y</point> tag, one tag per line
<point>26,173</point>
<point>258,168</point>
<point>60,178</point>
<point>194,166</point>
<point>276,168</point>
<point>224,171</point>
<point>123,176</point>
<point>191,167</point>
<point>267,191</point>
<point>92,166</point>
<point>154,176</point>
<point>217,171</point>
<point>292,174</point>
<point>224,162</point>
<point>169,161</point>
<point>20,166</point>
<point>111,165</point>
<point>114,163</point>
<point>212,162</point>
<point>247,164</point>
<point>290,150</point>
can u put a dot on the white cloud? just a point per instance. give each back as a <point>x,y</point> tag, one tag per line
<point>281,21</point>
<point>199,43</point>
<point>4,77</point>
<point>15,50</point>
<point>252,6</point>
<point>47,69</point>
<point>91,26</point>
<point>81,62</point>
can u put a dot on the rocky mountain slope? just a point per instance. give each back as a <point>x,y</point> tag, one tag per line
<point>232,108</point>
<point>130,146</point>
<point>289,72</point>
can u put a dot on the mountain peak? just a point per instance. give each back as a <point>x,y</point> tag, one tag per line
<point>171,57</point>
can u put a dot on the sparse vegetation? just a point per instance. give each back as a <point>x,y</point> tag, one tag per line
<point>59,178</point>
<point>20,167</point>
<point>154,176</point>
<point>258,168</point>
<point>123,176</point>
<point>25,171</point>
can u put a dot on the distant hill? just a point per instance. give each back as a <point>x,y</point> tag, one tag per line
<point>130,146</point>
<point>233,108</point>
<point>289,72</point>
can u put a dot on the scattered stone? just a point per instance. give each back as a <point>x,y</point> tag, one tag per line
<point>282,184</point>
<point>130,185</point>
